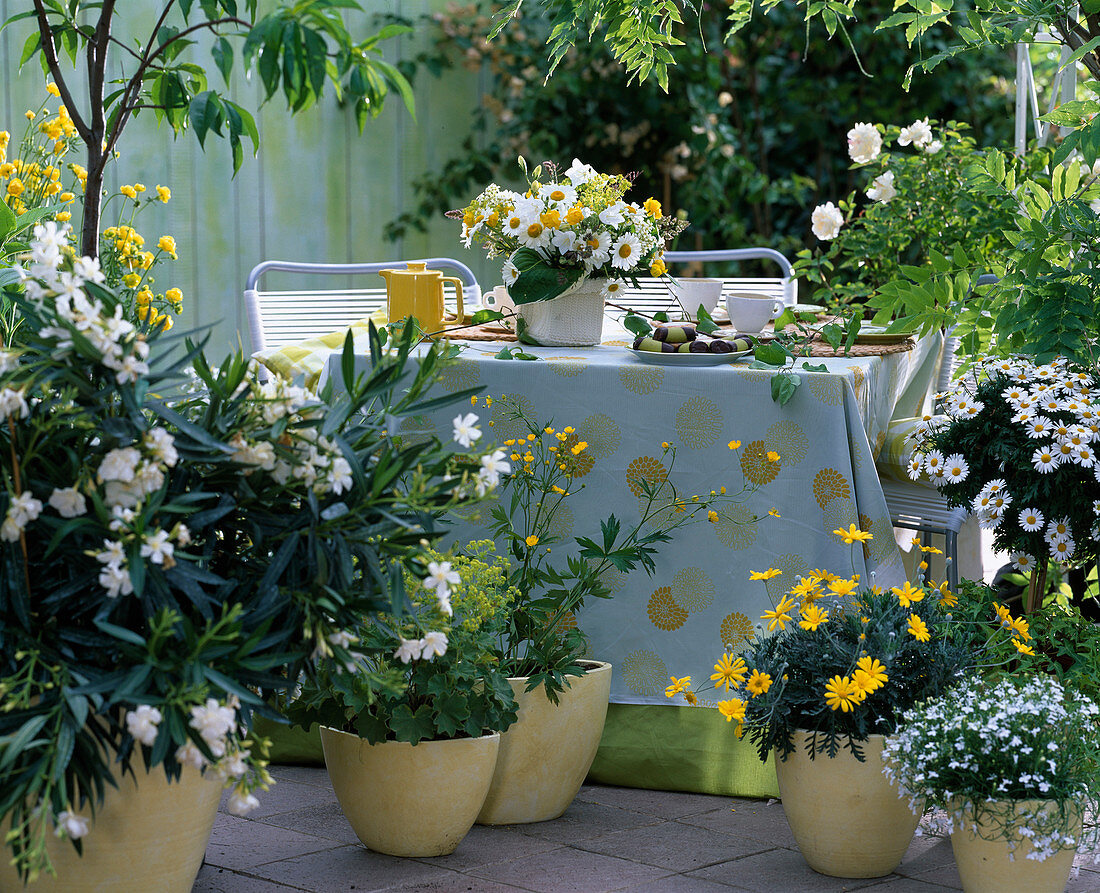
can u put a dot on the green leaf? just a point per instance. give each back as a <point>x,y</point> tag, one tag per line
<point>784,387</point>
<point>537,281</point>
<point>412,727</point>
<point>773,353</point>
<point>7,220</point>
<point>637,324</point>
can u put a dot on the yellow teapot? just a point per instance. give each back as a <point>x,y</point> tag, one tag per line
<point>418,292</point>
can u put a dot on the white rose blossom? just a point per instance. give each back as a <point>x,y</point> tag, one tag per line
<point>864,143</point>
<point>827,219</point>
<point>919,133</point>
<point>882,188</point>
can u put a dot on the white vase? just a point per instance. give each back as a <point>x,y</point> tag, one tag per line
<point>572,319</point>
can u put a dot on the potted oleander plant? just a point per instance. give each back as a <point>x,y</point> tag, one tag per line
<point>823,681</point>
<point>417,715</point>
<point>173,550</point>
<point>1013,765</point>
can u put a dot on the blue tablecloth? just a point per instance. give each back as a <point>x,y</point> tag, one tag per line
<point>678,621</point>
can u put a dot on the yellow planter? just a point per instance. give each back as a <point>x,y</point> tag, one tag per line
<point>546,754</point>
<point>848,820</point>
<point>150,835</point>
<point>984,866</point>
<point>410,800</point>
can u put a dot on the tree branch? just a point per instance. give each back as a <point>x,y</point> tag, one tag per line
<point>48,51</point>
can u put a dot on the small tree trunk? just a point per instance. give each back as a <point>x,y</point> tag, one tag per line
<point>1036,587</point>
<point>93,199</point>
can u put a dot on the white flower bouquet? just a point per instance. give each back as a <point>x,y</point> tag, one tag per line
<point>981,750</point>
<point>568,229</point>
<point>1016,447</point>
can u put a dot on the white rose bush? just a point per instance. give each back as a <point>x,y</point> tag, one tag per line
<point>178,549</point>
<point>916,202</point>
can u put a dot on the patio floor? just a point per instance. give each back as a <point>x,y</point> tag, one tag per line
<point>609,839</point>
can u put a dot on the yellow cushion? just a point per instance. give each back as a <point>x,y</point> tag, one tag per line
<point>307,358</point>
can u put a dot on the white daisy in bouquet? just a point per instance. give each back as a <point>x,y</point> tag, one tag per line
<point>567,227</point>
<point>1017,447</point>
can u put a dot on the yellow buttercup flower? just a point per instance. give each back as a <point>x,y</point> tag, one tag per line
<point>853,535</point>
<point>765,575</point>
<point>128,191</point>
<point>51,88</point>
<point>780,616</point>
<point>164,193</point>
<point>918,629</point>
<point>735,444</point>
<point>131,280</point>
<point>15,187</point>
<point>758,683</point>
<point>841,694</point>
<point>907,595</point>
<point>168,245</point>
<point>812,617</point>
<point>652,208</point>
<point>657,269</point>
<point>174,297</point>
<point>774,513</point>
<point>532,541</point>
<point>729,672</point>
<point>773,456</point>
<point>712,516</point>
<point>678,686</point>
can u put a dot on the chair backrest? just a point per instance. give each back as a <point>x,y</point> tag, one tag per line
<point>276,318</point>
<point>950,360</point>
<point>652,295</point>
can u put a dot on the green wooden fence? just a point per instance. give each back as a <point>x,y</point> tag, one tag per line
<point>317,191</point>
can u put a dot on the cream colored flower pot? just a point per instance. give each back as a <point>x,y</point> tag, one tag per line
<point>847,818</point>
<point>572,319</point>
<point>546,754</point>
<point>410,800</point>
<point>149,835</point>
<point>984,866</point>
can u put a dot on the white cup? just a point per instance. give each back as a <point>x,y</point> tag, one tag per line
<point>693,292</point>
<point>499,299</point>
<point>751,311</point>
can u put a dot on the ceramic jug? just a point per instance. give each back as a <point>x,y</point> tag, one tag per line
<point>418,292</point>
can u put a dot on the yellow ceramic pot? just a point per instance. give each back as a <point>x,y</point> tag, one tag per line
<point>546,754</point>
<point>410,800</point>
<point>984,866</point>
<point>847,818</point>
<point>147,835</point>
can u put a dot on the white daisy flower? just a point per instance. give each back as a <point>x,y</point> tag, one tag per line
<point>1062,549</point>
<point>559,194</point>
<point>1038,427</point>
<point>916,465</point>
<point>1022,561</point>
<point>626,253</point>
<point>933,463</point>
<point>1084,456</point>
<point>1058,529</point>
<point>1044,460</point>
<point>613,289</point>
<point>955,469</point>
<point>1031,520</point>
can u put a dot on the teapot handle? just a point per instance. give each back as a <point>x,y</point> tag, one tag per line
<point>458,294</point>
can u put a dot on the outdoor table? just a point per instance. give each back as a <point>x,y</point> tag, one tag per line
<point>700,600</point>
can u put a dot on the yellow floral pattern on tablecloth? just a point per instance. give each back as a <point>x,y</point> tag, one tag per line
<point>830,484</point>
<point>561,522</point>
<point>693,589</point>
<point>882,546</point>
<point>755,464</point>
<point>698,423</point>
<point>641,379</point>
<point>416,429</point>
<point>789,440</point>
<point>504,426</point>
<point>793,566</point>
<point>645,469</point>
<point>663,610</point>
<point>459,376</point>
<point>839,513</point>
<point>567,367</point>
<point>644,672</point>
<point>829,389</point>
<point>602,434</point>
<point>735,527</point>
<point>859,377</point>
<point>756,376</point>
<point>736,630</point>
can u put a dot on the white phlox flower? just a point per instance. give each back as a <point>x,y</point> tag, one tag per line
<point>68,502</point>
<point>408,650</point>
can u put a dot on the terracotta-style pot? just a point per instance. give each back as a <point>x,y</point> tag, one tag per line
<point>847,818</point>
<point>149,834</point>
<point>983,859</point>
<point>546,754</point>
<point>410,800</point>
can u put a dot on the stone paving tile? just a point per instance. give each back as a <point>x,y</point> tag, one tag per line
<point>221,880</point>
<point>314,775</point>
<point>457,883</point>
<point>244,843</point>
<point>569,871</point>
<point>759,820</point>
<point>926,854</point>
<point>485,845</point>
<point>678,883</point>
<point>908,885</point>
<point>327,821</point>
<point>286,796</point>
<point>945,873</point>
<point>777,870</point>
<point>587,821</point>
<point>350,868</point>
<point>672,845</point>
<point>1085,882</point>
<point>659,803</point>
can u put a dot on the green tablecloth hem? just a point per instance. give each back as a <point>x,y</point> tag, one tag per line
<point>679,749</point>
<point>659,748</point>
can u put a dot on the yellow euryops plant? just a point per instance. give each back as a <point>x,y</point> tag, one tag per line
<point>843,661</point>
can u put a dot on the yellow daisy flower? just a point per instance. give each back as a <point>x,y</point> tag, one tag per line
<point>758,683</point>
<point>907,595</point>
<point>841,694</point>
<point>853,535</point>
<point>918,629</point>
<point>729,672</point>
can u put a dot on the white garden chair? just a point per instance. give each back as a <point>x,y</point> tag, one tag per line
<point>279,318</point>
